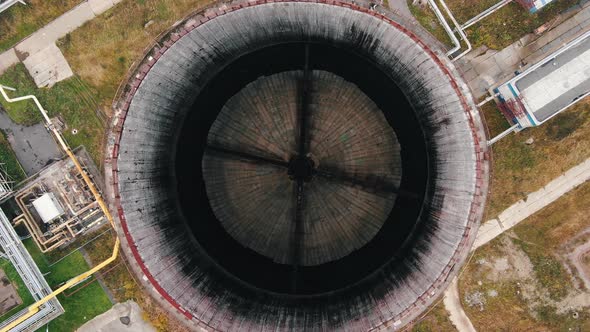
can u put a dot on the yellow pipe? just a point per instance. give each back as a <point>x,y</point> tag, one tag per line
<point>35,306</point>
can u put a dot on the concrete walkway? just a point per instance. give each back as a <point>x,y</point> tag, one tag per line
<point>508,219</point>
<point>453,305</point>
<point>484,69</point>
<point>533,203</point>
<point>38,52</point>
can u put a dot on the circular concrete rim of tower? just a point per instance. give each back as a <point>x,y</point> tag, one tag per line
<point>387,319</point>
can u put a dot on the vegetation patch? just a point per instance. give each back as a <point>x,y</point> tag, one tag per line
<point>436,320</point>
<point>102,51</point>
<point>7,157</point>
<point>426,17</point>
<point>505,26</point>
<point>564,125</point>
<point>534,294</point>
<point>19,21</point>
<point>82,302</point>
<point>548,270</point>
<point>73,100</point>
<point>519,168</point>
<point>20,286</point>
<point>123,286</point>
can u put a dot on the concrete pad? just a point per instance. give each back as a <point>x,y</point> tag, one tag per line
<point>110,321</point>
<point>48,66</point>
<point>485,66</point>
<point>487,231</point>
<point>470,75</point>
<point>100,6</point>
<point>7,60</point>
<point>33,145</point>
<point>57,29</point>
<point>583,15</point>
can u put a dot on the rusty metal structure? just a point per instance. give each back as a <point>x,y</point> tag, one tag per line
<point>297,165</point>
<point>79,211</point>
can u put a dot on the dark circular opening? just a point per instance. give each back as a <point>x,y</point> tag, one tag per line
<point>237,263</point>
<point>301,168</point>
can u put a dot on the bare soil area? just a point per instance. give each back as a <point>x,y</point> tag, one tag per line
<point>8,295</point>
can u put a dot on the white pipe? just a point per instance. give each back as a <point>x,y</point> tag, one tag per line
<point>50,125</point>
<point>485,14</point>
<point>485,101</point>
<point>461,32</point>
<point>446,26</point>
<point>503,134</point>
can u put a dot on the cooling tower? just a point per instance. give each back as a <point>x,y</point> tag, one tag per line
<point>297,165</point>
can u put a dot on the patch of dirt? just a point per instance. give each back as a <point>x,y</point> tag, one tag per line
<point>515,265</point>
<point>9,297</point>
<point>573,301</point>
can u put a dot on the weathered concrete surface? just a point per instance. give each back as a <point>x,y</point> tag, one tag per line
<point>48,66</point>
<point>172,83</point>
<point>33,145</point>
<point>110,321</point>
<point>7,60</point>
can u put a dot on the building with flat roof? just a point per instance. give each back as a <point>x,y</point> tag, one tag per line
<point>548,87</point>
<point>48,207</point>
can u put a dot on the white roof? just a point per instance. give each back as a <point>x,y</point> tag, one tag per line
<point>47,207</point>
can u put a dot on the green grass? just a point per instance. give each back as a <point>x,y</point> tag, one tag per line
<point>20,21</point>
<point>71,99</point>
<point>103,49</point>
<point>80,307</point>
<point>82,302</point>
<point>7,157</point>
<point>519,169</point>
<point>505,26</point>
<point>502,28</point>
<point>548,270</point>
<point>436,320</point>
<point>18,283</point>
<point>426,17</point>
<point>542,238</point>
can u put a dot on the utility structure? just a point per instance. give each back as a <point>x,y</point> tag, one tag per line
<point>297,165</point>
<point>548,87</point>
<point>33,279</point>
<point>40,303</point>
<point>5,183</point>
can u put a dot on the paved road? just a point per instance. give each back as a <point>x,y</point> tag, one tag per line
<point>34,146</point>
